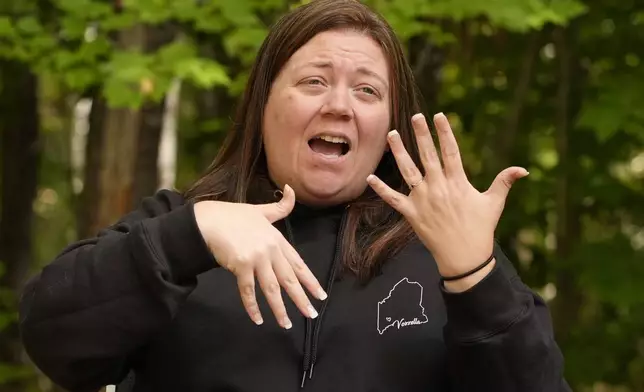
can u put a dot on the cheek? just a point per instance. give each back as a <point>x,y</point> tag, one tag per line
<point>374,128</point>
<point>275,121</point>
<point>288,117</point>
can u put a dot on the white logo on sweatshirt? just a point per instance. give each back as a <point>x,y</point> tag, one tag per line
<point>396,310</point>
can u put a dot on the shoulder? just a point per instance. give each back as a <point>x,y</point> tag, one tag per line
<point>160,203</point>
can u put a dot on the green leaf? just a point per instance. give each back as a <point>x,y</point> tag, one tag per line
<point>86,9</point>
<point>81,78</point>
<point>10,373</point>
<point>189,11</point>
<point>119,21</point>
<point>123,77</point>
<point>202,72</point>
<point>175,51</point>
<point>245,41</point>
<point>239,12</point>
<point>516,15</point>
<point>6,27</point>
<point>151,11</point>
<point>29,25</point>
<point>119,94</point>
<point>617,106</point>
<point>73,28</point>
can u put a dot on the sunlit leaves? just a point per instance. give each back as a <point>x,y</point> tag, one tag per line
<point>409,17</point>
<point>85,24</point>
<point>481,45</point>
<point>78,49</point>
<point>180,59</point>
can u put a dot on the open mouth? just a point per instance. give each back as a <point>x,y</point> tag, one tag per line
<point>331,146</point>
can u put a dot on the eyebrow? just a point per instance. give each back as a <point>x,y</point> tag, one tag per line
<point>361,70</point>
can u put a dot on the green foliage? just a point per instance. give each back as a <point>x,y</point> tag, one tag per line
<point>481,50</point>
<point>88,56</point>
<point>617,107</point>
<point>84,55</point>
<point>9,373</point>
<point>410,17</point>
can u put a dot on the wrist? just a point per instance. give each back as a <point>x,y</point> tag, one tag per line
<point>461,260</point>
<point>203,217</point>
<point>469,281</point>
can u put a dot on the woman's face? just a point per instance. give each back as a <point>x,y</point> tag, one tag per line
<point>327,117</point>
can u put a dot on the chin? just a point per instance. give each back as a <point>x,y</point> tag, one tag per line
<point>328,193</point>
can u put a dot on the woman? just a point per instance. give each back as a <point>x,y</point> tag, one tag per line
<point>377,262</point>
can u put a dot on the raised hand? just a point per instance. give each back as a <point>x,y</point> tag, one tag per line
<point>244,241</point>
<point>453,219</point>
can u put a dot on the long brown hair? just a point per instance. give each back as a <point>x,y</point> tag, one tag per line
<point>373,231</point>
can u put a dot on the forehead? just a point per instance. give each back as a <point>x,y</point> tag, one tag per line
<point>346,49</point>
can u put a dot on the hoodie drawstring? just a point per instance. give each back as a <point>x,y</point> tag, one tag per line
<point>308,332</point>
<point>312,335</point>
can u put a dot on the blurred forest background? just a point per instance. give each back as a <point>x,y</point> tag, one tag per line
<point>104,101</point>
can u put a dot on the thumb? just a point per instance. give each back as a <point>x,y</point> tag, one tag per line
<point>503,182</point>
<point>279,210</point>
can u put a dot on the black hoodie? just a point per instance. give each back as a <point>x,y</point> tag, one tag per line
<point>146,297</point>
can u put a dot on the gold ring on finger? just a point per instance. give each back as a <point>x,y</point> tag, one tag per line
<point>415,184</point>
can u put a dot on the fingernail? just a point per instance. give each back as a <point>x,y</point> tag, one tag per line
<point>259,321</point>
<point>370,178</point>
<point>417,117</point>
<point>322,294</point>
<point>439,114</point>
<point>286,323</point>
<point>393,133</point>
<point>312,312</point>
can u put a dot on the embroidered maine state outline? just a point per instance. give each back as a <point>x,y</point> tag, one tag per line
<point>393,312</point>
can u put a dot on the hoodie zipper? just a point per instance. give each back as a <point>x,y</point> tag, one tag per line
<point>334,270</point>
<point>312,335</point>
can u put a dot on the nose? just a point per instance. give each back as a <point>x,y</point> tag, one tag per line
<point>338,103</point>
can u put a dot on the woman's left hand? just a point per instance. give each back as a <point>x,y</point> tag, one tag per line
<point>453,219</point>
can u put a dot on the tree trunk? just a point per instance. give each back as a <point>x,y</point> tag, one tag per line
<point>146,175</point>
<point>167,162</point>
<point>507,138</point>
<point>427,61</point>
<point>568,301</point>
<point>151,123</point>
<point>117,167</point>
<point>122,147</point>
<point>213,105</point>
<point>86,212</point>
<point>116,150</point>
<point>19,128</point>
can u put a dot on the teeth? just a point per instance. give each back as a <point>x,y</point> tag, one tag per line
<point>333,139</point>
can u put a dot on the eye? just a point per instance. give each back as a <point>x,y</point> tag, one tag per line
<point>368,90</point>
<point>314,82</point>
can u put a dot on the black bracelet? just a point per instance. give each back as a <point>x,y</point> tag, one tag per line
<point>466,274</point>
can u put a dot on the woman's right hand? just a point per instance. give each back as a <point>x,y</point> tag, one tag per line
<point>244,241</point>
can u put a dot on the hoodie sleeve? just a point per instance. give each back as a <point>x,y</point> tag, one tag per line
<point>499,337</point>
<point>101,299</point>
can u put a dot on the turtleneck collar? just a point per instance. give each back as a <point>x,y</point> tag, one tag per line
<point>268,191</point>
